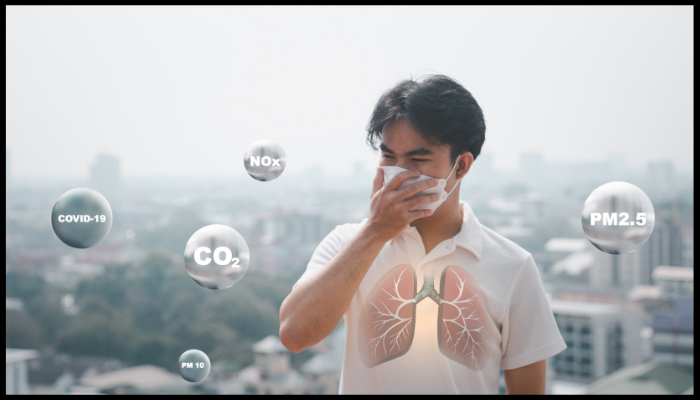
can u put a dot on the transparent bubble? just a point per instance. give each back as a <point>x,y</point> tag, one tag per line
<point>216,257</point>
<point>81,218</point>
<point>618,218</point>
<point>265,160</point>
<point>193,365</point>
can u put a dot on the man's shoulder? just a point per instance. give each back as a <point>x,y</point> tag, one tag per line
<point>502,250</point>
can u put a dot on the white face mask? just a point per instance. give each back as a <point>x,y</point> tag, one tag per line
<point>390,172</point>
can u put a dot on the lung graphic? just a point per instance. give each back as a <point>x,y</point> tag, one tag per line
<point>387,318</point>
<point>461,319</point>
<point>386,321</point>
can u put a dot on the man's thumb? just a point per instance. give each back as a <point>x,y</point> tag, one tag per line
<point>378,181</point>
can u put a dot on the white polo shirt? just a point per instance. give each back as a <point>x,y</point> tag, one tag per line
<point>486,310</point>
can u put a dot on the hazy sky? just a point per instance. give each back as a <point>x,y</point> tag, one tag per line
<point>186,90</point>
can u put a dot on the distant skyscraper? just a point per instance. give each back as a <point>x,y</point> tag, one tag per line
<point>664,247</point>
<point>104,173</point>
<point>613,270</point>
<point>661,180</point>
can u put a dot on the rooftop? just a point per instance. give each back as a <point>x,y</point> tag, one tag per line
<point>649,378</point>
<point>142,377</point>
<point>583,307</point>
<point>17,355</point>
<point>574,264</point>
<point>566,245</point>
<point>269,345</point>
<point>641,292</point>
<point>673,273</point>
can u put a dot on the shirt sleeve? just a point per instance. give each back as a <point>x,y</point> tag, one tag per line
<point>529,332</point>
<point>327,249</point>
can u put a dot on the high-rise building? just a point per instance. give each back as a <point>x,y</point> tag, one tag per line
<point>664,247</point>
<point>600,338</point>
<point>673,334</point>
<point>675,282</point>
<point>617,270</point>
<point>661,176</point>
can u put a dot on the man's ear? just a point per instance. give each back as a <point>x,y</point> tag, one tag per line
<point>464,163</point>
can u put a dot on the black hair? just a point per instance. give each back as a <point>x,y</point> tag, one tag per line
<point>441,110</point>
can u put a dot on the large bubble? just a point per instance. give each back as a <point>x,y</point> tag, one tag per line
<point>618,218</point>
<point>193,365</point>
<point>81,218</point>
<point>216,257</point>
<point>265,160</point>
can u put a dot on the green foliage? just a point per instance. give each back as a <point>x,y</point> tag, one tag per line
<point>42,316</point>
<point>151,312</point>
<point>22,285</point>
<point>173,237</point>
<point>96,335</point>
<point>111,287</point>
<point>21,330</point>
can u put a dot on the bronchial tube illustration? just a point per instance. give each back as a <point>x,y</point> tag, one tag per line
<point>388,316</point>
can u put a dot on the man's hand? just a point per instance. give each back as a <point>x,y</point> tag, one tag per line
<point>389,210</point>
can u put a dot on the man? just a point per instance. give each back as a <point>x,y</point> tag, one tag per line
<point>434,302</point>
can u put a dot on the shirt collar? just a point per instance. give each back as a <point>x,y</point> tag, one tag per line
<point>470,237</point>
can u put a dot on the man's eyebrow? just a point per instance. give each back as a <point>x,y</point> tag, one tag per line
<point>383,147</point>
<point>420,151</point>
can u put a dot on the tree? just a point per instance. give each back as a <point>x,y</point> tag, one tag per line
<point>21,330</point>
<point>23,285</point>
<point>109,286</point>
<point>96,335</point>
<point>159,350</point>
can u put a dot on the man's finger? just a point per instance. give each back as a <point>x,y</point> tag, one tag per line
<point>422,199</point>
<point>378,181</point>
<point>416,187</point>
<point>414,215</point>
<point>396,181</point>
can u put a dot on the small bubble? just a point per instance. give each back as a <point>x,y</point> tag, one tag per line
<point>216,257</point>
<point>265,160</point>
<point>193,365</point>
<point>618,218</point>
<point>81,218</point>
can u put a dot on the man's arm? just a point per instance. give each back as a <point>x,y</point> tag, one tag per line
<point>316,305</point>
<point>313,309</point>
<point>530,379</point>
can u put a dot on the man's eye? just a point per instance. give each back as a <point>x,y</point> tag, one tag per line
<point>387,156</point>
<point>419,159</point>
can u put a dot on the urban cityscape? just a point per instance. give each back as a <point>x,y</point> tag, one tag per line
<point>114,318</point>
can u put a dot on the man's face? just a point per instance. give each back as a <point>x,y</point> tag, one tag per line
<point>403,147</point>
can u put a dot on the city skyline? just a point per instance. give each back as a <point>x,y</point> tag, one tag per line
<point>574,83</point>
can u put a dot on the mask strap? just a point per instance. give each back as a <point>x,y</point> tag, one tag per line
<point>448,177</point>
<point>453,169</point>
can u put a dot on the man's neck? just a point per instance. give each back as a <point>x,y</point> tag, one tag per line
<point>444,224</point>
